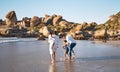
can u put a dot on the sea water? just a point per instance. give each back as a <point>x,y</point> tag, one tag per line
<point>31,55</point>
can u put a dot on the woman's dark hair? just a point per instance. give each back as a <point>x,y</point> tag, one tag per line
<point>56,33</point>
<point>51,33</point>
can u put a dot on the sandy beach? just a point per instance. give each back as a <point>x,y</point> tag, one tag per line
<point>33,56</point>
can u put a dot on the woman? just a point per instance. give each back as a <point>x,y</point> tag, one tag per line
<point>53,45</point>
<point>72,43</point>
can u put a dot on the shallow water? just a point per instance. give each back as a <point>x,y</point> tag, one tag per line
<point>33,56</point>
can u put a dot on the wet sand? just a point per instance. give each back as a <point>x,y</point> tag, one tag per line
<point>33,56</point>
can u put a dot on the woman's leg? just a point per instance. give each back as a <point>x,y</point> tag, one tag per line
<point>72,45</point>
<point>73,53</point>
<point>52,58</point>
<point>52,53</point>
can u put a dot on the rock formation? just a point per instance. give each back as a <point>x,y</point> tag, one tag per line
<point>45,31</point>
<point>56,20</point>
<point>100,34</point>
<point>35,21</point>
<point>40,27</point>
<point>11,18</point>
<point>48,19</point>
<point>26,22</point>
<point>63,23</point>
<point>112,26</point>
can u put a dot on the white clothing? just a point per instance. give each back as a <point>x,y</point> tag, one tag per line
<point>70,39</point>
<point>51,39</point>
<point>56,40</point>
<point>53,43</point>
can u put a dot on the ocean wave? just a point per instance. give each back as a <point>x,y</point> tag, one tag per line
<point>14,39</point>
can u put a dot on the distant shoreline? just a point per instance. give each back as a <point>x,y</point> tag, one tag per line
<point>15,39</point>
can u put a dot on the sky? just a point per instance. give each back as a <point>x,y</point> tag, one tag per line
<point>77,11</point>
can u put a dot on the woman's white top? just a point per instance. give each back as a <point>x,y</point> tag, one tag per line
<point>70,39</point>
<point>51,39</point>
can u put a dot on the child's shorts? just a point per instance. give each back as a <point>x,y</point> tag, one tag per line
<point>66,50</point>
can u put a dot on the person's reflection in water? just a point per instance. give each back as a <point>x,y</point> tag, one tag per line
<point>52,67</point>
<point>69,66</point>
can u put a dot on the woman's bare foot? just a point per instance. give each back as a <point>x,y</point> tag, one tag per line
<point>73,57</point>
<point>65,58</point>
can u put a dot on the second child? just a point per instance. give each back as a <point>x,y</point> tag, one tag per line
<point>65,46</point>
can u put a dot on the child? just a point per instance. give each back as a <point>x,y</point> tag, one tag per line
<point>65,46</point>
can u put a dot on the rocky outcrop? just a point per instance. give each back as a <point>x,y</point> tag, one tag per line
<point>3,31</point>
<point>40,27</point>
<point>101,34</point>
<point>41,37</point>
<point>26,22</point>
<point>35,21</point>
<point>2,22</point>
<point>79,32</point>
<point>112,26</point>
<point>45,31</point>
<point>90,26</point>
<point>48,19</point>
<point>63,23</point>
<point>9,32</point>
<point>31,33</point>
<point>76,30</point>
<point>11,18</point>
<point>56,20</point>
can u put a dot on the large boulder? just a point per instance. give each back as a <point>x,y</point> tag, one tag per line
<point>41,37</point>
<point>90,26</point>
<point>63,23</point>
<point>45,31</point>
<point>114,33</point>
<point>56,20</point>
<point>77,28</point>
<point>7,31</point>
<point>111,33</point>
<point>48,19</point>
<point>113,18</point>
<point>35,21</point>
<point>11,18</point>
<point>26,22</point>
<point>84,23</point>
<point>100,34</point>
<point>3,31</point>
<point>113,22</point>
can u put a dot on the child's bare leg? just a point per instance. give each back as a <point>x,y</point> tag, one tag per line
<point>64,55</point>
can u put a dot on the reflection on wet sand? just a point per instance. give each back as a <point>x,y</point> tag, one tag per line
<point>52,67</point>
<point>69,66</point>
